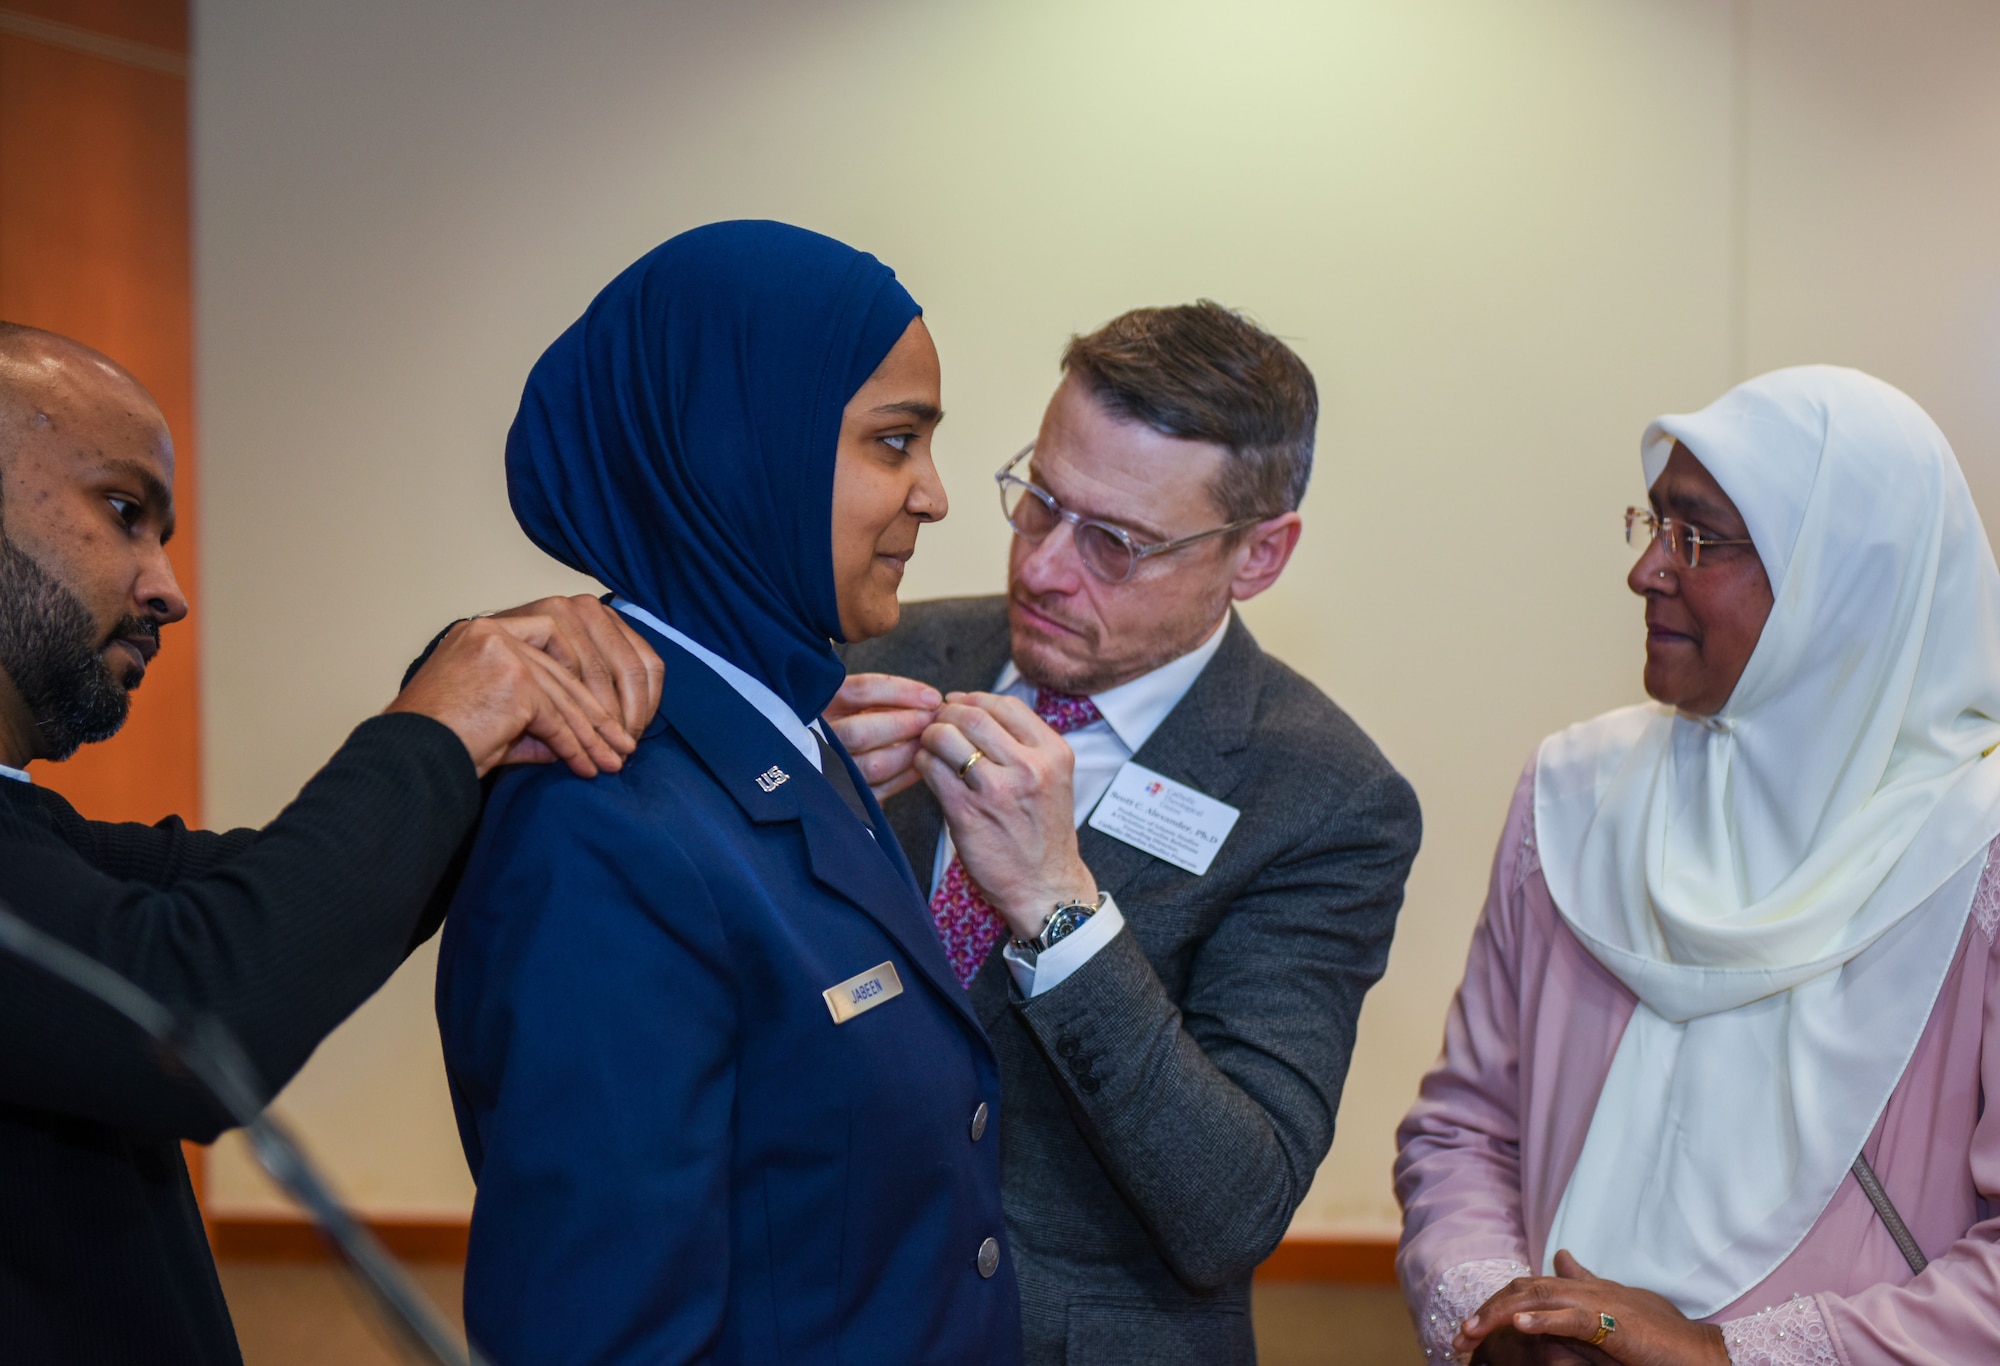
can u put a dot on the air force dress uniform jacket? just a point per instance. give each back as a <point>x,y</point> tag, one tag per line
<point>681,1156</point>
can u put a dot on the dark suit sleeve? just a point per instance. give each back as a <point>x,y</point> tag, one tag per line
<point>589,1021</point>
<point>278,933</point>
<point>1212,1118</point>
<point>157,855</point>
<point>168,852</point>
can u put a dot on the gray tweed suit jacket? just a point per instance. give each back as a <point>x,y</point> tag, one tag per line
<point>1163,1110</point>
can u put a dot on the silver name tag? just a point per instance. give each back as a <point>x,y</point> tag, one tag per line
<point>865,992</point>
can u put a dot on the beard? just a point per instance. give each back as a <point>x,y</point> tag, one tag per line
<point>51,649</point>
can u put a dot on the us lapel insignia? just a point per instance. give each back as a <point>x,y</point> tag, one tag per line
<point>772,778</point>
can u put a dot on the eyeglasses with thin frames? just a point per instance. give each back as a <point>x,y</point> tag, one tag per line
<point>1110,552</point>
<point>1684,541</point>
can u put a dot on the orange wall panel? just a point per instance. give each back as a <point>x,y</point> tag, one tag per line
<point>94,243</point>
<point>157,23</point>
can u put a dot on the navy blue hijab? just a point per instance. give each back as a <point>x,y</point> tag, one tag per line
<point>677,442</point>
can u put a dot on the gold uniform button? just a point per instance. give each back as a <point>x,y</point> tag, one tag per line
<point>989,1257</point>
<point>979,1122</point>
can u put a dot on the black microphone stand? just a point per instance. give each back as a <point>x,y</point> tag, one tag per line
<point>208,1051</point>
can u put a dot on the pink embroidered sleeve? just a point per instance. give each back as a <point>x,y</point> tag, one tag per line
<point>1458,1164</point>
<point>1793,1334</point>
<point>1459,1291</point>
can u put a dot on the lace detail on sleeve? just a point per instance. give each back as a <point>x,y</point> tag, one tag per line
<point>1793,1334</point>
<point>1986,898</point>
<point>1460,1290</point>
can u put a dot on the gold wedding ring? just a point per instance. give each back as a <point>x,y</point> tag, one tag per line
<point>966,767</point>
<point>1606,1326</point>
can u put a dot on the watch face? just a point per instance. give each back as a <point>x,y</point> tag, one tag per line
<point>1062,924</point>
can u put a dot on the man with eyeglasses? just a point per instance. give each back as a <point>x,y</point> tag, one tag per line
<point>1165,865</point>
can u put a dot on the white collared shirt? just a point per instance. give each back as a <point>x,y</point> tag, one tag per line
<point>1131,713</point>
<point>751,690</point>
<point>18,775</point>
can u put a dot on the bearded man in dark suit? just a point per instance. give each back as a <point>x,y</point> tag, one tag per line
<point>276,935</point>
<point>1166,866</point>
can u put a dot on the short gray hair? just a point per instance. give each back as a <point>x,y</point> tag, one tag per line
<point>1203,372</point>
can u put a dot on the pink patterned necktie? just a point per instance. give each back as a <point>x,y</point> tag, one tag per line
<point>968,925</point>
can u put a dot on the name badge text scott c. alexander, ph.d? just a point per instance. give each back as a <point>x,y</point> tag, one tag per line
<point>880,983</point>
<point>1168,820</point>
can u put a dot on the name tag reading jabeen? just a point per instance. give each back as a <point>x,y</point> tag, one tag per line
<point>1168,820</point>
<point>856,994</point>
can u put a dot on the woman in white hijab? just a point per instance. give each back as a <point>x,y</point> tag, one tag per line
<point>1738,958</point>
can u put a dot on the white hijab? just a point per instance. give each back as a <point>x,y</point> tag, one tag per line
<point>1784,884</point>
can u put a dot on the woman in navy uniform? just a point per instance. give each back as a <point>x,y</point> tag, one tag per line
<point>723,1098</point>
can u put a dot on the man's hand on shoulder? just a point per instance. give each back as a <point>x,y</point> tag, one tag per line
<point>560,679</point>
<point>881,718</point>
<point>1012,814</point>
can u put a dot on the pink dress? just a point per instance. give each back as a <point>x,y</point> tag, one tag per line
<point>1485,1153</point>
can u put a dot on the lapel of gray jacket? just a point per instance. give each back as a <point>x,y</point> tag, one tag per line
<point>1200,743</point>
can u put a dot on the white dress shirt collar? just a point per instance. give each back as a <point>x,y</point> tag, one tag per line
<point>1135,710</point>
<point>751,690</point>
<point>18,775</point>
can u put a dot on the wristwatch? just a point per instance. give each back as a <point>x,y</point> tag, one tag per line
<point>1065,920</point>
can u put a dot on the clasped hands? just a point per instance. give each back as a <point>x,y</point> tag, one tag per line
<point>558,680</point>
<point>1548,1321</point>
<point>1011,815</point>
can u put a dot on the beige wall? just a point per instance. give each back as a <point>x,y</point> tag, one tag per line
<point>1503,236</point>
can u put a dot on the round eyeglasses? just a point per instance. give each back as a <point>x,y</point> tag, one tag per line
<point>1108,551</point>
<point>1684,542</point>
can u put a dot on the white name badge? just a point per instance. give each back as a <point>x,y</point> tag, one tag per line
<point>865,992</point>
<point>1168,820</point>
